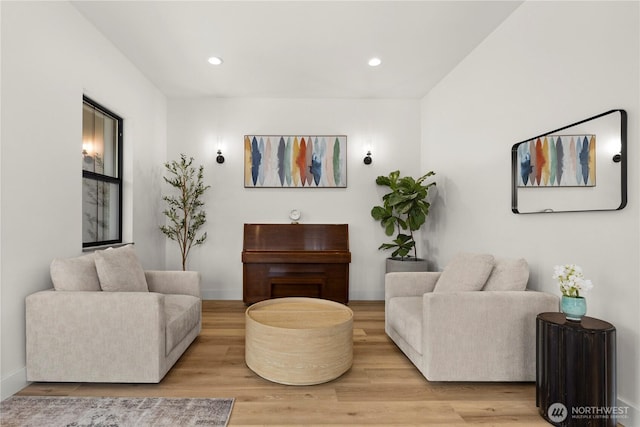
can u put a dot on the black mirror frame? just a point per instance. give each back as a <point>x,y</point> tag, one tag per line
<point>621,158</point>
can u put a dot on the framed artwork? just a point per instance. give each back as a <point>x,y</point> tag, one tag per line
<point>295,161</point>
<point>557,161</point>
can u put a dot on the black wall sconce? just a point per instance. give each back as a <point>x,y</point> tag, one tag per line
<point>367,159</point>
<point>220,158</point>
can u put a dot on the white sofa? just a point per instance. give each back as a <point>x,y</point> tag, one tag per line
<point>472,322</point>
<point>77,333</point>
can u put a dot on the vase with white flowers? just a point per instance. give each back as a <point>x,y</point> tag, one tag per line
<point>573,286</point>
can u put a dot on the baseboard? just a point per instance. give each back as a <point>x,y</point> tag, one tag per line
<point>232,294</point>
<point>220,294</point>
<point>13,383</point>
<point>631,416</point>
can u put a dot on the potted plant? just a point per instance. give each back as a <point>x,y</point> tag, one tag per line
<point>403,211</point>
<point>572,282</point>
<point>184,213</point>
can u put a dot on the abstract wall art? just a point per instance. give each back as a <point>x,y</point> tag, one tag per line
<point>557,161</point>
<point>295,161</point>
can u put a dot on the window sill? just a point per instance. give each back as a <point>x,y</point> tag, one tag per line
<point>113,245</point>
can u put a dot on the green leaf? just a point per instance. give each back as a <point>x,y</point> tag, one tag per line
<point>383,180</point>
<point>389,226</point>
<point>379,213</point>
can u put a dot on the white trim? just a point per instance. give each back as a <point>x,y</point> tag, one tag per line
<point>217,294</point>
<point>231,295</point>
<point>632,418</point>
<point>13,383</point>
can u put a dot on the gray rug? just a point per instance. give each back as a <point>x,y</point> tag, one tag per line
<point>113,412</point>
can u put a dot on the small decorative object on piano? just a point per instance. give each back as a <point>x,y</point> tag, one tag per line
<point>295,216</point>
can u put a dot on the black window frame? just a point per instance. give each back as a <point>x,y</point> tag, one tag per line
<point>106,178</point>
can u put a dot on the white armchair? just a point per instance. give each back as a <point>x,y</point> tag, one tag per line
<point>101,326</point>
<point>463,324</point>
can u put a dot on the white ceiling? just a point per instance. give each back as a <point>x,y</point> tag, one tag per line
<point>296,49</point>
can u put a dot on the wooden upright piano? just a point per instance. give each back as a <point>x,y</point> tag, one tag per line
<point>302,260</point>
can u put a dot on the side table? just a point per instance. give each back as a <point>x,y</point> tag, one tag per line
<point>575,371</point>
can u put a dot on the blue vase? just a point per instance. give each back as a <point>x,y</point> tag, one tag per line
<point>574,308</point>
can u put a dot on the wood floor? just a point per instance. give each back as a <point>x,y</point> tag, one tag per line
<point>381,388</point>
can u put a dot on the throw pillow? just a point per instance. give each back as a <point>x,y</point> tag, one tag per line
<point>465,272</point>
<point>120,270</point>
<point>75,274</point>
<point>508,275</point>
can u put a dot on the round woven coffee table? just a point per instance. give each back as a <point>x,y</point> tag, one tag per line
<point>299,341</point>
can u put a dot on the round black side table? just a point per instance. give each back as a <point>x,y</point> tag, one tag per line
<point>575,371</point>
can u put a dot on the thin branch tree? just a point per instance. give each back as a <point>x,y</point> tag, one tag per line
<point>184,212</point>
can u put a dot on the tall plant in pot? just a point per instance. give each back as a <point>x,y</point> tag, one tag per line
<point>404,210</point>
<point>184,208</point>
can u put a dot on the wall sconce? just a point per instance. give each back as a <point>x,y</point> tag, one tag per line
<point>220,158</point>
<point>367,159</point>
<point>87,153</point>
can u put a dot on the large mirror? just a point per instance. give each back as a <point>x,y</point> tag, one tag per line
<point>579,167</point>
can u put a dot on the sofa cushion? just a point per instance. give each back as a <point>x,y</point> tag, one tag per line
<point>508,275</point>
<point>405,317</point>
<point>182,314</point>
<point>119,270</point>
<point>75,274</point>
<point>465,272</point>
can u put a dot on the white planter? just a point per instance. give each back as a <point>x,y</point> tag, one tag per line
<point>409,264</point>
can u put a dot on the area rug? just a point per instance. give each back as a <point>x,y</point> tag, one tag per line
<point>39,411</point>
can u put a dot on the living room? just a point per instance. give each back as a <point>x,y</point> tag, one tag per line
<point>541,66</point>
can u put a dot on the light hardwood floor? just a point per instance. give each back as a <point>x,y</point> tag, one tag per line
<point>382,387</point>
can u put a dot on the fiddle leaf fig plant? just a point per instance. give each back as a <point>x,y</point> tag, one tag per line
<point>403,211</point>
<point>184,208</point>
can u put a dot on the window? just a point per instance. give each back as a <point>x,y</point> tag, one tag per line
<point>101,175</point>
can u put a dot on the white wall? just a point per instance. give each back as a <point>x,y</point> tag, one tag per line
<point>548,65</point>
<point>195,127</point>
<point>51,56</point>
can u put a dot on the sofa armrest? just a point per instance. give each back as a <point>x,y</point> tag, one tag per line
<point>409,284</point>
<point>78,336</point>
<point>497,327</point>
<point>174,282</point>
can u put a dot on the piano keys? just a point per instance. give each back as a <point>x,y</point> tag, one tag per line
<point>296,260</point>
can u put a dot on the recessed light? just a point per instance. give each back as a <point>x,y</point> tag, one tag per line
<point>214,60</point>
<point>374,62</point>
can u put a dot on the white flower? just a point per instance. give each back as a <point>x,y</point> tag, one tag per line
<point>571,280</point>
